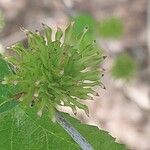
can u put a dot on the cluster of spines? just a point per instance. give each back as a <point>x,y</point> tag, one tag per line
<point>50,72</point>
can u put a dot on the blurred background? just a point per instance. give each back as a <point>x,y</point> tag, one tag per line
<point>122,30</point>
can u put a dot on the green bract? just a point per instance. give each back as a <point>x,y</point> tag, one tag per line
<point>111,28</point>
<point>49,72</point>
<point>124,67</point>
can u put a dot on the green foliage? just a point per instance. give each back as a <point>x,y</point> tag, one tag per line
<point>5,90</point>
<point>111,28</point>
<point>124,67</point>
<point>21,130</point>
<point>50,73</point>
<point>20,127</point>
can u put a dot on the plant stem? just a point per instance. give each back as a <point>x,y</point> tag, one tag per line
<point>77,137</point>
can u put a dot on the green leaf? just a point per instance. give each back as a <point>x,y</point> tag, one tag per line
<point>21,129</point>
<point>110,27</point>
<point>99,139</point>
<point>20,126</point>
<point>3,69</point>
<point>124,67</point>
<point>7,105</point>
<point>5,90</point>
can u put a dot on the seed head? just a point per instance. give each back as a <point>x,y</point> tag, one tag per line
<point>52,72</point>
